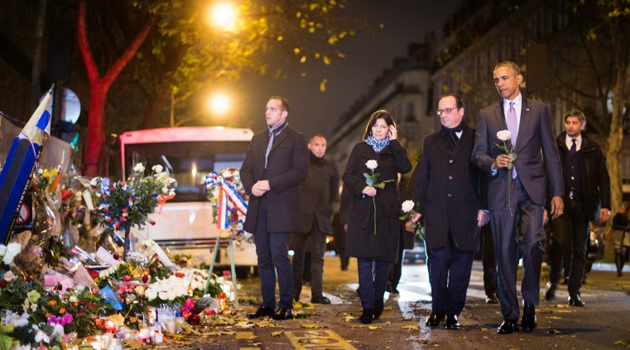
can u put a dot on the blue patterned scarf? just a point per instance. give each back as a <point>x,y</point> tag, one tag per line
<point>377,145</point>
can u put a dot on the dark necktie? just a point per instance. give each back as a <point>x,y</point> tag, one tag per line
<point>573,146</point>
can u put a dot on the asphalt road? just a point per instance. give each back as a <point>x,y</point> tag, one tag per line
<point>602,322</point>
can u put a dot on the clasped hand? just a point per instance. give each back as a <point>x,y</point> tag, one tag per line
<point>260,188</point>
<point>369,191</point>
<point>502,161</point>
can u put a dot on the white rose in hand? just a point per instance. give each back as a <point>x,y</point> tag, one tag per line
<point>504,135</point>
<point>407,206</point>
<point>371,164</point>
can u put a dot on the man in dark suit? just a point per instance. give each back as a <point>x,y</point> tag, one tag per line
<point>516,194</point>
<point>317,194</point>
<point>275,164</point>
<point>586,194</point>
<point>447,188</point>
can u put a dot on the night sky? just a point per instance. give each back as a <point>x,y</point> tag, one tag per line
<point>312,111</point>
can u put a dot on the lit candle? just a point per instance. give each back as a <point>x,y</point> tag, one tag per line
<point>110,327</point>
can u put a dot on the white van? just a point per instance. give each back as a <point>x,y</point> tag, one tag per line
<point>184,224</point>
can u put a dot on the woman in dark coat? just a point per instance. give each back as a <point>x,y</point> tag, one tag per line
<point>374,245</point>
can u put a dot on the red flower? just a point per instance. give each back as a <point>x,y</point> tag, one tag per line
<point>3,283</point>
<point>28,279</point>
<point>145,278</point>
<point>116,256</point>
<point>125,210</point>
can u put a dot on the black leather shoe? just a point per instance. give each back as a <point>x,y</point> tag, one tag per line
<point>452,323</point>
<point>529,320</point>
<point>507,327</point>
<point>261,312</point>
<point>492,299</point>
<point>575,300</point>
<point>551,294</point>
<point>378,308</point>
<point>283,314</point>
<point>320,299</point>
<point>434,320</point>
<point>366,317</point>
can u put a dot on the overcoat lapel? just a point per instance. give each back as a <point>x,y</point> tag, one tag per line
<point>441,145</point>
<point>467,137</point>
<point>278,140</point>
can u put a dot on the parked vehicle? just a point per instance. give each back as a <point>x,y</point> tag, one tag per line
<point>184,224</point>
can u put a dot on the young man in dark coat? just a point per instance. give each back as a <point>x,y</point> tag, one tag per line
<point>586,196</point>
<point>275,164</point>
<point>448,190</point>
<point>317,194</point>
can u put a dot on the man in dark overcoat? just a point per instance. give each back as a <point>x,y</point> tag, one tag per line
<point>317,194</point>
<point>275,164</point>
<point>586,195</point>
<point>448,190</point>
<point>517,189</point>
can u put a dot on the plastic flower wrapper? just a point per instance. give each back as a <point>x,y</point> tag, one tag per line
<point>110,297</point>
<point>409,210</point>
<point>372,180</point>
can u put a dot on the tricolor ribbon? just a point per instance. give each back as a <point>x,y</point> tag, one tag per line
<point>226,193</point>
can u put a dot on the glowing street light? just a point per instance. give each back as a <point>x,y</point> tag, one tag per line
<point>223,15</point>
<point>219,104</point>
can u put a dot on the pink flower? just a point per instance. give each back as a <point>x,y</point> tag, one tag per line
<point>127,278</point>
<point>67,318</point>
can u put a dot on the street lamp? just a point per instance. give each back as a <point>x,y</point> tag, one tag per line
<point>223,15</point>
<point>219,104</point>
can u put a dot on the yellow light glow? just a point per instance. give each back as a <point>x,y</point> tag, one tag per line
<point>219,104</point>
<point>223,15</point>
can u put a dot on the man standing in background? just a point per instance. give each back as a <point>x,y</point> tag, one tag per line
<point>317,194</point>
<point>586,195</point>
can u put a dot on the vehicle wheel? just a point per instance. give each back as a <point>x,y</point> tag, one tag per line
<point>242,271</point>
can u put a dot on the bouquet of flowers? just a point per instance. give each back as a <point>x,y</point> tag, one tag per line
<point>229,201</point>
<point>372,180</point>
<point>410,209</point>
<point>122,205</point>
<point>505,136</point>
<point>168,291</point>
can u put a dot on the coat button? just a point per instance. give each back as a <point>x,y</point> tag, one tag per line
<point>449,195</point>
<point>450,161</point>
<point>450,178</point>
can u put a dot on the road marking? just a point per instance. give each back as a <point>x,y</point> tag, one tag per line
<point>318,339</point>
<point>245,335</point>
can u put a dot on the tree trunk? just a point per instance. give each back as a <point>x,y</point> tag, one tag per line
<point>99,87</point>
<point>615,139</point>
<point>36,70</point>
<point>155,107</point>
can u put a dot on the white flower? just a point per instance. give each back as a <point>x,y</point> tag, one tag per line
<point>139,168</point>
<point>171,295</point>
<point>164,189</point>
<point>163,295</point>
<point>94,181</point>
<point>16,320</point>
<point>34,307</point>
<point>407,206</point>
<point>13,249</point>
<point>3,249</point>
<point>371,164</point>
<point>157,168</point>
<point>504,135</point>
<point>151,295</point>
<point>41,336</point>
<point>73,299</point>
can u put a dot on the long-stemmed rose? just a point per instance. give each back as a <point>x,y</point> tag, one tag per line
<point>505,136</point>
<point>372,180</point>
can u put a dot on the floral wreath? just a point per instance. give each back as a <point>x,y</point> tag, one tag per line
<point>228,200</point>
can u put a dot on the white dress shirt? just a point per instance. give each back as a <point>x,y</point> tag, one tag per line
<point>578,142</point>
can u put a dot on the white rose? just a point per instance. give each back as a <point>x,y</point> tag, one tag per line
<point>157,168</point>
<point>3,249</point>
<point>407,206</point>
<point>13,249</point>
<point>139,168</point>
<point>371,164</point>
<point>504,135</point>
<point>171,295</point>
<point>163,295</point>
<point>73,299</point>
<point>151,294</point>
